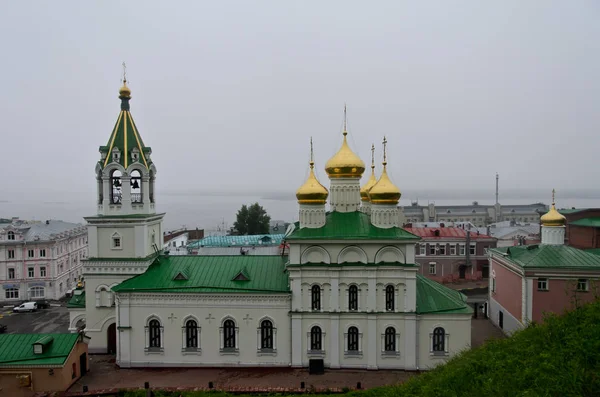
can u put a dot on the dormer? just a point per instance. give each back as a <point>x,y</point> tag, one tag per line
<point>135,155</point>
<point>42,345</point>
<point>116,155</point>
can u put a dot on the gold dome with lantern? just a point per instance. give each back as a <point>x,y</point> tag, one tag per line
<point>345,163</point>
<point>553,217</point>
<point>364,191</point>
<point>384,191</point>
<point>312,192</point>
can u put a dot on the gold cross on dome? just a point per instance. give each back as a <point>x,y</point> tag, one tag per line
<point>312,161</point>
<point>372,155</point>
<point>124,72</point>
<point>384,151</point>
<point>553,193</point>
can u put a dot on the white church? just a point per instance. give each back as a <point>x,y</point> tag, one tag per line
<point>346,295</point>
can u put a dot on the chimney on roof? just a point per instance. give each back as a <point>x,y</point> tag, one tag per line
<point>442,225</point>
<point>47,222</point>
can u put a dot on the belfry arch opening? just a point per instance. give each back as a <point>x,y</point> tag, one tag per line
<point>116,185</point>
<point>136,186</point>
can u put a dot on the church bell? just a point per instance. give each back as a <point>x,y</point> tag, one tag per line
<point>135,185</point>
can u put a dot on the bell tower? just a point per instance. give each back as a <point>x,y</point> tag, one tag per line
<point>126,234</point>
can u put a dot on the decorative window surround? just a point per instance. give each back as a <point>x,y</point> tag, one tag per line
<point>185,350</point>
<point>353,353</point>
<point>390,353</point>
<point>260,351</point>
<point>224,351</point>
<point>443,353</point>
<point>154,350</point>
<point>315,353</point>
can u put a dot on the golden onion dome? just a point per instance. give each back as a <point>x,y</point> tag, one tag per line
<point>312,192</point>
<point>124,92</point>
<point>384,191</point>
<point>345,163</point>
<point>553,218</point>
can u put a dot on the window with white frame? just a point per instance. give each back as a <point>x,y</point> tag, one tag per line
<point>229,336</point>
<point>154,336</point>
<point>439,343</point>
<point>11,293</point>
<point>30,253</point>
<point>432,268</point>
<point>431,249</point>
<point>353,297</point>
<point>315,296</point>
<point>390,296</point>
<point>36,292</point>
<point>353,341</point>
<point>582,284</point>
<point>472,249</point>
<point>11,254</point>
<point>452,249</point>
<point>422,249</point>
<point>117,243</point>
<point>30,272</point>
<point>316,339</point>
<point>43,253</point>
<point>390,341</point>
<point>11,235</point>
<point>542,284</point>
<point>11,273</point>
<point>442,249</point>
<point>43,271</point>
<point>191,336</point>
<point>493,284</point>
<point>267,333</point>
<point>461,250</point>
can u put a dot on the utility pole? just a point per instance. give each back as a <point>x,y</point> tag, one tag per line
<point>468,248</point>
<point>497,203</point>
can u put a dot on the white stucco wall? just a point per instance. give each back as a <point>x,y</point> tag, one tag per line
<point>209,311</point>
<point>458,337</point>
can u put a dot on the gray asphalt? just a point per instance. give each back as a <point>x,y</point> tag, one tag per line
<point>51,320</point>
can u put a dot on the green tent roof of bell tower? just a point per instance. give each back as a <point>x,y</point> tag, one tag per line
<point>125,137</point>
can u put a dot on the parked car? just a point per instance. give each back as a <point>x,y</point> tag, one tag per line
<point>2,329</point>
<point>42,304</point>
<point>26,307</point>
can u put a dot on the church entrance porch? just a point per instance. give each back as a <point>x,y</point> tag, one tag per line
<point>111,339</point>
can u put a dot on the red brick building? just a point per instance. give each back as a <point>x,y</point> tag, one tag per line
<point>582,227</point>
<point>527,281</point>
<point>447,254</point>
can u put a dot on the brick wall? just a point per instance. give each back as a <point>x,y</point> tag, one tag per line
<point>509,289</point>
<point>560,296</point>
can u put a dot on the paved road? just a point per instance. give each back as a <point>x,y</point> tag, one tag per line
<point>51,320</point>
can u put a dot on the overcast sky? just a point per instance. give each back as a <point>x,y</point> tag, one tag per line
<point>228,93</point>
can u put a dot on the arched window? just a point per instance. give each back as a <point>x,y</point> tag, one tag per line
<point>36,292</point>
<point>191,334</point>
<point>439,340</point>
<point>389,298</point>
<point>154,333</point>
<point>390,339</point>
<point>11,235</point>
<point>136,186</point>
<point>266,334</point>
<point>353,298</point>
<point>115,183</point>
<point>316,338</point>
<point>352,339</point>
<point>229,334</point>
<point>316,297</point>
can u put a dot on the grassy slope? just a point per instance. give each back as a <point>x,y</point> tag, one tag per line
<point>559,358</point>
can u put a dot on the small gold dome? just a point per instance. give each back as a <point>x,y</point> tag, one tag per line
<point>345,163</point>
<point>312,192</point>
<point>384,191</point>
<point>553,218</point>
<point>124,91</point>
<point>364,191</point>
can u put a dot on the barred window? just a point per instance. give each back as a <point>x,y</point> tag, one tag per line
<point>316,297</point>
<point>154,331</point>
<point>316,338</point>
<point>352,339</point>
<point>229,334</point>
<point>353,298</point>
<point>389,298</point>
<point>191,334</point>
<point>390,339</point>
<point>266,335</point>
<point>439,340</point>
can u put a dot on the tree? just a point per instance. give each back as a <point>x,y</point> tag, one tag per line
<point>252,219</point>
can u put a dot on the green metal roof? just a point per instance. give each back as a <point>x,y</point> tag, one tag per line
<point>589,222</point>
<point>238,241</point>
<point>353,264</point>
<point>126,137</point>
<point>17,349</point>
<point>349,226</point>
<point>595,251</point>
<point>266,274</point>
<point>77,301</point>
<point>433,297</point>
<point>549,256</point>
<point>565,211</point>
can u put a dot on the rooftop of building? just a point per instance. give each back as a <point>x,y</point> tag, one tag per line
<point>17,349</point>
<point>445,233</point>
<point>78,299</point>
<point>433,297</point>
<point>587,222</point>
<point>549,256</point>
<point>238,241</point>
<point>43,231</point>
<point>193,234</point>
<point>222,274</point>
<point>349,226</point>
<point>529,229</point>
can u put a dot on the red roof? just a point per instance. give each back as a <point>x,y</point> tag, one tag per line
<point>444,233</point>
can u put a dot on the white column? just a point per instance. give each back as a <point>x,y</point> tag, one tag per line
<point>106,190</point>
<point>372,351</point>
<point>145,191</point>
<point>334,341</point>
<point>126,192</point>
<point>410,342</point>
<point>297,351</point>
<point>372,293</point>
<point>334,299</point>
<point>529,298</point>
